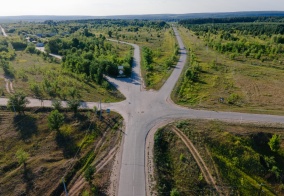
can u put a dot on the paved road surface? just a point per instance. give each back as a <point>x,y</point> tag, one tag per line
<point>54,55</point>
<point>3,31</point>
<point>142,110</point>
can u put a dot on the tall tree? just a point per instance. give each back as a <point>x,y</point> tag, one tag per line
<point>55,120</point>
<point>73,105</point>
<point>22,157</point>
<point>274,143</point>
<point>17,102</point>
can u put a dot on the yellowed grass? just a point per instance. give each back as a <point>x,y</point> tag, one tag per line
<point>257,83</point>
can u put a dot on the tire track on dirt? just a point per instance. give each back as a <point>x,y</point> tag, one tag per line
<point>200,162</point>
<point>104,160</point>
<point>80,182</point>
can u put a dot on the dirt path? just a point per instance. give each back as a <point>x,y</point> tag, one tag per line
<point>112,155</point>
<point>149,165</point>
<point>76,189</point>
<point>200,162</point>
<point>8,85</point>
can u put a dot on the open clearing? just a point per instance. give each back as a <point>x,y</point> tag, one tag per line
<point>257,84</point>
<point>53,155</point>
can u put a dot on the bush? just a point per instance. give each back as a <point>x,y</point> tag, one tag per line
<point>55,120</point>
<point>274,143</point>
<point>233,99</point>
<point>17,102</point>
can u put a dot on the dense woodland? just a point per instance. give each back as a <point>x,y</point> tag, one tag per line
<point>255,37</point>
<point>228,20</point>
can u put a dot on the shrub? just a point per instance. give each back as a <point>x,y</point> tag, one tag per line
<point>55,120</point>
<point>233,99</point>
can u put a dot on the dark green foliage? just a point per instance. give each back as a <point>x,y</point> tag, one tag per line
<point>89,172</point>
<point>109,33</point>
<point>31,48</point>
<point>231,20</point>
<point>73,105</point>
<point>22,156</point>
<point>6,49</point>
<point>57,105</point>
<point>17,45</point>
<point>147,57</point>
<point>17,102</point>
<point>35,88</point>
<point>90,56</point>
<point>55,120</point>
<point>162,163</point>
<point>8,70</point>
<point>224,38</point>
<point>175,192</point>
<point>4,45</point>
<point>274,143</point>
<point>233,99</point>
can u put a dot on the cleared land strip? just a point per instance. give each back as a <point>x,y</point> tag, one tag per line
<point>204,169</point>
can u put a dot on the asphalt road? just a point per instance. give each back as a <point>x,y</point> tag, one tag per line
<point>142,110</point>
<point>54,55</point>
<point>3,31</point>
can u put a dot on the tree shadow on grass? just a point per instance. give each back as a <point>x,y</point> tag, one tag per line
<point>28,178</point>
<point>26,126</point>
<point>67,144</point>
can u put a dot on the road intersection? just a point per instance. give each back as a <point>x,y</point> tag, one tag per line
<point>142,110</point>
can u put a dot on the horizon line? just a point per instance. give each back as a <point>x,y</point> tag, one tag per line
<point>143,14</point>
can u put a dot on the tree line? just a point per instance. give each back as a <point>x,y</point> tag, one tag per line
<point>277,19</point>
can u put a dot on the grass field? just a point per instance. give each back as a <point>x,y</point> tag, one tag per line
<point>51,153</point>
<point>247,85</point>
<point>54,82</point>
<point>175,167</point>
<point>238,155</point>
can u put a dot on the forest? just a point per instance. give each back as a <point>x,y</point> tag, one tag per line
<point>228,20</point>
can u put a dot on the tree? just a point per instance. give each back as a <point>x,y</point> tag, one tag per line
<point>109,33</point>
<point>35,88</point>
<point>31,48</point>
<point>175,192</point>
<point>274,143</point>
<point>22,156</point>
<point>57,104</point>
<point>89,173</point>
<point>73,105</point>
<point>17,102</point>
<point>55,120</point>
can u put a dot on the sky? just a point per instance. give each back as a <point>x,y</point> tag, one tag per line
<point>133,7</point>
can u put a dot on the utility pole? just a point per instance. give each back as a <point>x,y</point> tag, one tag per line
<point>100,110</point>
<point>14,108</point>
<point>66,193</point>
<point>260,189</point>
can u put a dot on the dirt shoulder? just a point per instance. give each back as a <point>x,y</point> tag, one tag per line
<point>149,158</point>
